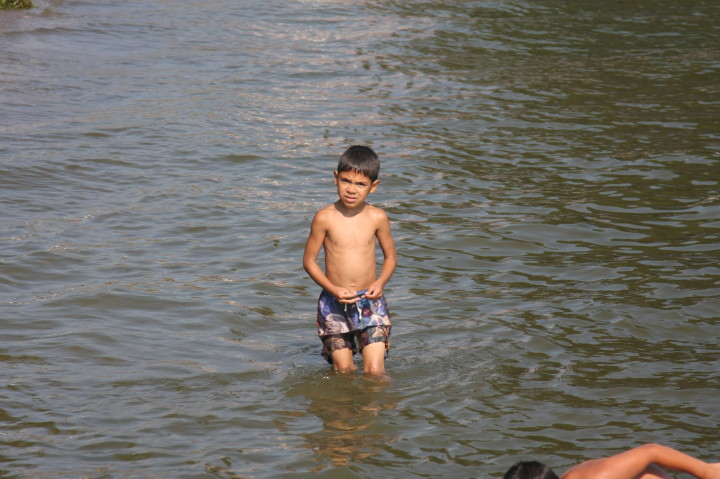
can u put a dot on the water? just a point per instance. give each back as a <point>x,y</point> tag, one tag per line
<point>550,170</point>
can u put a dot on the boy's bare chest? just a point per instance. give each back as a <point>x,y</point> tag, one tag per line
<point>351,234</point>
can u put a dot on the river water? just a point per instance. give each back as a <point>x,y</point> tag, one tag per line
<point>550,169</point>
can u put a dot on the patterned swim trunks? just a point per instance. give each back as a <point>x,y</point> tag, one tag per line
<point>341,324</point>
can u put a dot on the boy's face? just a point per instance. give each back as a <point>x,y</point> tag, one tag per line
<point>354,188</point>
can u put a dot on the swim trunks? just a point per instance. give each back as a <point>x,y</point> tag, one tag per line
<point>334,317</point>
<point>340,324</point>
<point>373,334</point>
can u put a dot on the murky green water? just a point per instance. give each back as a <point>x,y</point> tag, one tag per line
<point>551,173</point>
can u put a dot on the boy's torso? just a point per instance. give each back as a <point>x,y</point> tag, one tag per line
<point>350,246</point>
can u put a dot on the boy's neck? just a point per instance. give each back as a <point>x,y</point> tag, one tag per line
<point>349,212</point>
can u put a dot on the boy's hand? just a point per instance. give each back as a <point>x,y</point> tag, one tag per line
<point>374,291</point>
<point>346,295</point>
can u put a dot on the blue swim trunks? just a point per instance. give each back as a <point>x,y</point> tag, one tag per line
<point>340,324</point>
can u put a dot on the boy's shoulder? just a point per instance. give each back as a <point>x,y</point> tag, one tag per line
<point>374,211</point>
<point>326,210</point>
<point>327,213</point>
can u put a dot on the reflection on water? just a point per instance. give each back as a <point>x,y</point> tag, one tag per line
<point>348,406</point>
<point>551,174</point>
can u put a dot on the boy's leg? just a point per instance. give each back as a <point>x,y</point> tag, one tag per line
<point>374,344</point>
<point>338,350</point>
<point>342,360</point>
<point>374,359</point>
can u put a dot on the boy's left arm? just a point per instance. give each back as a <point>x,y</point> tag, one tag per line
<point>384,236</point>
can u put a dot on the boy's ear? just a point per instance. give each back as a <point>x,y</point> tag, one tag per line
<point>374,186</point>
<point>335,172</point>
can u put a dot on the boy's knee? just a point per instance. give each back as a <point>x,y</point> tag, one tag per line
<point>375,369</point>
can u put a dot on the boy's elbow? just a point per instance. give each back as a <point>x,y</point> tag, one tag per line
<point>653,452</point>
<point>652,446</point>
<point>392,260</point>
<point>308,264</point>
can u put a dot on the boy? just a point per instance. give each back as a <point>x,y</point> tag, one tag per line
<point>643,462</point>
<point>352,306</point>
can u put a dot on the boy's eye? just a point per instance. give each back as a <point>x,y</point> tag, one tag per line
<point>361,184</point>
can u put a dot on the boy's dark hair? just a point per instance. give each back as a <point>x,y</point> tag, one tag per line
<point>361,159</point>
<point>530,470</point>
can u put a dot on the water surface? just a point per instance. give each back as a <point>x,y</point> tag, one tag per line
<point>550,170</point>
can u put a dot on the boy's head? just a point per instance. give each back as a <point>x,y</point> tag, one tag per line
<point>362,160</point>
<point>530,470</point>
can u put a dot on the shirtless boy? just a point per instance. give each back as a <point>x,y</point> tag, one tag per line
<point>351,306</point>
<point>648,461</point>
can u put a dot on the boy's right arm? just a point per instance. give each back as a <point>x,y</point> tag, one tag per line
<point>312,249</point>
<point>632,463</point>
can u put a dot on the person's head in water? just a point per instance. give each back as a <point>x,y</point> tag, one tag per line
<point>530,470</point>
